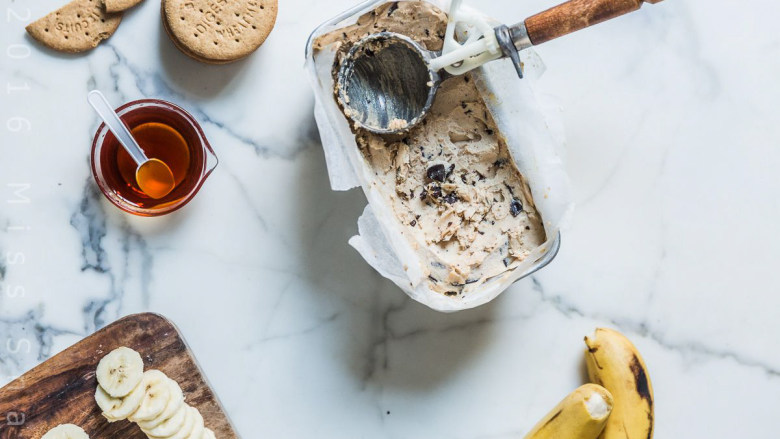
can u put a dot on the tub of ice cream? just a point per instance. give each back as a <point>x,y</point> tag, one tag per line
<point>467,202</point>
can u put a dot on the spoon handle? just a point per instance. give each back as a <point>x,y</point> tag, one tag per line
<point>117,127</point>
<point>575,15</point>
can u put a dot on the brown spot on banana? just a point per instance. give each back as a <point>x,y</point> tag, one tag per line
<point>643,389</point>
<point>640,380</point>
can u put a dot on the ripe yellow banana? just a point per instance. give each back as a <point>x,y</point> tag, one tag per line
<point>581,415</point>
<point>614,362</point>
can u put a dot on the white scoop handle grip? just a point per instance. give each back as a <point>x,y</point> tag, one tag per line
<point>480,46</point>
<point>117,127</point>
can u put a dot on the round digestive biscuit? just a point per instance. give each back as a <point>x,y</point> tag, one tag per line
<point>179,45</point>
<point>76,27</point>
<point>184,49</point>
<point>219,31</point>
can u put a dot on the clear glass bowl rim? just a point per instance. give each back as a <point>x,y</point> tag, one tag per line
<point>210,159</point>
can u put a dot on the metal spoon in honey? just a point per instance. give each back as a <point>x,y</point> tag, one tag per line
<point>153,176</point>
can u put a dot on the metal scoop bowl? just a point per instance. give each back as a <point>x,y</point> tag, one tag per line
<point>384,83</point>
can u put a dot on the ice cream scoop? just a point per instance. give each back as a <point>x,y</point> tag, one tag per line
<point>387,82</point>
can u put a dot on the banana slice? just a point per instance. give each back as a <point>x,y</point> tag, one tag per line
<point>175,403</point>
<point>157,393</point>
<point>199,429</point>
<point>170,426</point>
<point>106,403</point>
<point>66,431</point>
<point>208,434</point>
<point>614,362</point>
<point>581,415</point>
<point>119,372</point>
<point>116,409</point>
<point>189,423</point>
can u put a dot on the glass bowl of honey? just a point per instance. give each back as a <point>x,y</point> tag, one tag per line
<point>164,131</point>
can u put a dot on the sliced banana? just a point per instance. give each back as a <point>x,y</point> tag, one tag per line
<point>170,426</point>
<point>107,403</point>
<point>156,397</point>
<point>150,399</point>
<point>189,423</point>
<point>119,372</point>
<point>66,431</point>
<point>199,430</point>
<point>175,402</point>
<point>129,404</point>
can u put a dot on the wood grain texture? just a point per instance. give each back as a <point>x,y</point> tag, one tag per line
<point>62,389</point>
<point>575,15</point>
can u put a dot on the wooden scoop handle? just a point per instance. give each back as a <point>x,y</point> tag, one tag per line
<point>575,15</point>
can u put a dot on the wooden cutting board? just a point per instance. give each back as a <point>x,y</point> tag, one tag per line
<point>62,389</point>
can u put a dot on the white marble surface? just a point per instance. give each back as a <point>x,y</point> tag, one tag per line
<point>673,126</point>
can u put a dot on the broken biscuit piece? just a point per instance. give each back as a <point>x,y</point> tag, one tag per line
<point>76,27</point>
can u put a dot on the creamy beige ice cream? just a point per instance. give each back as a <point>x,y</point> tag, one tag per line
<point>451,181</point>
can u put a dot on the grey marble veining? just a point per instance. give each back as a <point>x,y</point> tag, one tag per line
<point>672,141</point>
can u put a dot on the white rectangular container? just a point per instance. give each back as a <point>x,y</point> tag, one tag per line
<point>534,139</point>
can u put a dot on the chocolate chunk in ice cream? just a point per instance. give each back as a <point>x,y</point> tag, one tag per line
<point>437,172</point>
<point>515,207</point>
